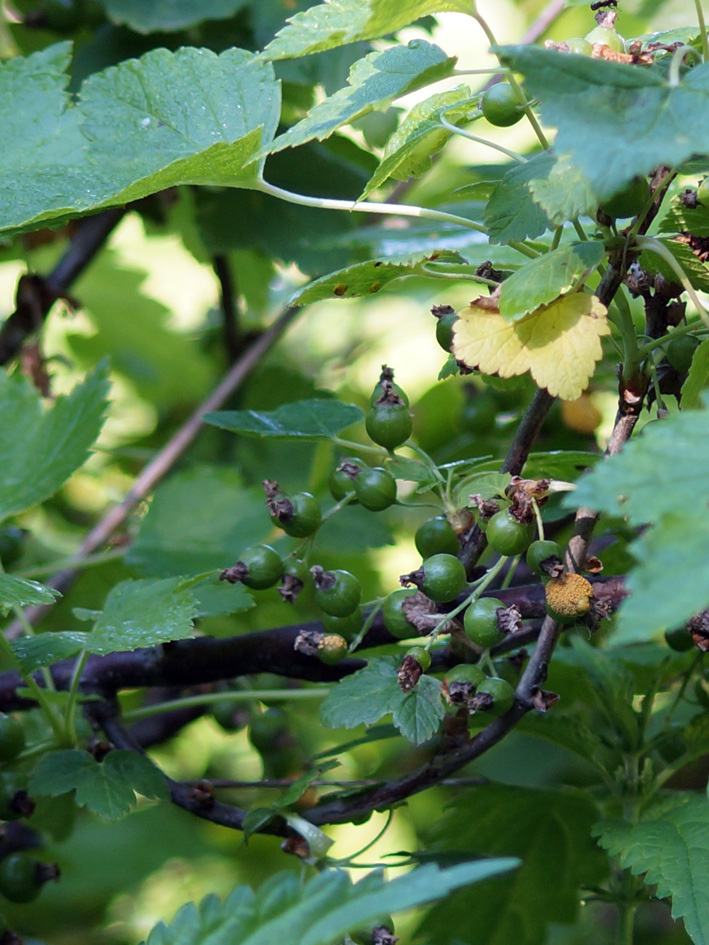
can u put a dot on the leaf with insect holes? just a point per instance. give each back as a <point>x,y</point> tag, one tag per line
<point>559,344</point>
<point>373,82</point>
<point>546,278</point>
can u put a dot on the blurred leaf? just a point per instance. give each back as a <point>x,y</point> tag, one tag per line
<point>167,15</point>
<point>19,592</point>
<point>550,830</point>
<point>669,847</point>
<point>369,277</point>
<point>617,121</point>
<point>373,82</point>
<point>317,912</point>
<point>140,127</point>
<point>696,270</point>
<point>562,191</point>
<point>306,419</point>
<point>374,691</point>
<point>199,520</point>
<point>558,344</point>
<point>40,450</point>
<point>421,135</point>
<point>680,219</point>
<point>544,279</point>
<point>356,529</point>
<point>106,788</point>
<point>697,378</point>
<point>337,22</point>
<point>43,649</point>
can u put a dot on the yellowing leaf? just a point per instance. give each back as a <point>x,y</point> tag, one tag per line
<point>559,343</point>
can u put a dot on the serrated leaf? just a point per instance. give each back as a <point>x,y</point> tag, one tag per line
<point>143,613</point>
<point>373,692</point>
<point>168,15</point>
<point>696,735</point>
<point>320,911</point>
<point>167,118</point>
<point>47,648</point>
<point>373,83</point>
<point>679,219</point>
<point>201,519</point>
<point>303,419</point>
<point>571,731</point>
<point>421,135</point>
<point>369,277</point>
<point>19,592</point>
<point>558,344</point>
<point>697,378</point>
<point>670,846</point>
<point>550,830</point>
<point>562,191</point>
<point>40,450</point>
<point>696,270</point>
<point>338,22</point>
<point>544,279</point>
<point>617,121</point>
<point>106,788</point>
<point>511,213</point>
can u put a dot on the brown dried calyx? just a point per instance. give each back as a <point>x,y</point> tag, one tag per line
<point>389,395</point>
<point>698,626</point>
<point>438,311</point>
<point>486,507</point>
<point>409,673</point>
<point>278,504</point>
<point>421,612</point>
<point>308,642</point>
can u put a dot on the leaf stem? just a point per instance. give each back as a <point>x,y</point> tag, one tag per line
<point>90,561</point>
<point>702,29</point>
<point>454,129</point>
<point>38,694</point>
<point>673,76</point>
<point>70,714</point>
<point>242,695</point>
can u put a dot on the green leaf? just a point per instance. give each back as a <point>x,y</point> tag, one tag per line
<point>612,685</point>
<point>421,135</point>
<point>338,22</point>
<point>47,648</point>
<point>670,847</point>
<point>167,118</point>
<point>143,613</point>
<point>617,121</point>
<point>318,912</point>
<point>562,191</point>
<point>544,279</point>
<point>550,830</point>
<point>696,270</point>
<point>697,378</point>
<point>199,520</point>
<point>372,692</point>
<point>106,788</point>
<point>679,219</point>
<point>304,419</point>
<point>168,15</point>
<point>369,277</point>
<point>40,450</point>
<point>373,83</point>
<point>19,592</point>
<point>511,213</point>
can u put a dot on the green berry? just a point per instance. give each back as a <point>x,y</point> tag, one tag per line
<point>680,352</point>
<point>629,201</point>
<point>480,621</point>
<point>258,567</point>
<point>500,691</point>
<point>579,46</point>
<point>501,106</point>
<point>342,478</point>
<point>393,616</point>
<point>381,388</point>
<point>679,639</point>
<point>606,37</point>
<point>336,592</point>
<point>506,535</point>
<point>443,577</point>
<point>436,536</point>
<point>421,655</point>
<point>388,425</point>
<point>375,489</point>
<point>703,192</point>
<point>266,728</point>
<point>299,515</point>
<point>332,649</point>
<point>12,737</point>
<point>444,330</point>
<point>347,627</point>
<point>540,551</point>
<point>466,673</point>
<point>20,878</point>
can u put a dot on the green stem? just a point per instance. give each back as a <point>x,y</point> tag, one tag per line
<point>60,564</point>
<point>556,238</point>
<point>655,246</point>
<point>702,29</point>
<point>70,715</point>
<point>243,695</point>
<point>454,129</point>
<point>366,206</point>
<point>357,447</point>
<point>449,272</point>
<point>21,617</point>
<point>357,639</point>
<point>510,573</point>
<point>673,76</point>
<point>538,516</point>
<point>645,349</point>
<point>367,846</point>
<point>626,911</point>
<point>624,324</point>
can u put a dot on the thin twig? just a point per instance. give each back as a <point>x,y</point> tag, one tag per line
<point>230,306</point>
<point>165,459</point>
